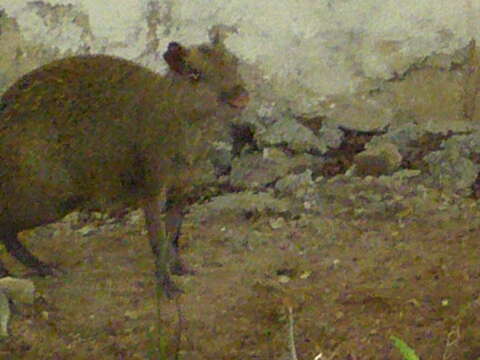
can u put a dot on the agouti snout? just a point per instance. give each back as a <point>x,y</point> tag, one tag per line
<point>102,132</point>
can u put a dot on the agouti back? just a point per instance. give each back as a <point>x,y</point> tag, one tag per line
<point>103,132</point>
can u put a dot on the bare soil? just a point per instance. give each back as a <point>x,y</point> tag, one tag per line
<point>352,282</point>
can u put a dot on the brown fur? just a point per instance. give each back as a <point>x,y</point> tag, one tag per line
<point>102,132</point>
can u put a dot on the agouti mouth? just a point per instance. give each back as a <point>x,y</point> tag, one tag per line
<point>240,101</point>
<point>237,98</point>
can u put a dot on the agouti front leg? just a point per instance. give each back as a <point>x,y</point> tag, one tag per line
<point>173,223</point>
<point>161,244</point>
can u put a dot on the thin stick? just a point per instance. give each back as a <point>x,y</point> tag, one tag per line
<point>161,336</point>
<point>291,338</point>
<point>178,335</point>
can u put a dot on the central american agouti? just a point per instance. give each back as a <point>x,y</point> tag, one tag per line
<point>100,132</point>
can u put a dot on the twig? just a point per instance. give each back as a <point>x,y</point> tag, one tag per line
<point>178,335</point>
<point>453,338</point>
<point>291,338</point>
<point>159,291</point>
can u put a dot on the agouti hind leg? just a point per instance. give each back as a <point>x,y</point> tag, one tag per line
<point>3,270</point>
<point>21,253</point>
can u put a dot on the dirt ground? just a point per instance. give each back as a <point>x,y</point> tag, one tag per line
<point>352,281</point>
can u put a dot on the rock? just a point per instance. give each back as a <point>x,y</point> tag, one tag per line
<point>450,170</point>
<point>4,314</point>
<point>221,157</point>
<point>253,171</point>
<point>297,185</point>
<point>241,203</point>
<point>18,290</point>
<point>135,217</point>
<point>87,230</point>
<point>287,131</point>
<point>402,137</point>
<point>330,134</point>
<point>383,159</point>
<point>467,145</point>
<point>277,223</point>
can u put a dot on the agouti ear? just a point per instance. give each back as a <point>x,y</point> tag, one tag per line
<point>175,57</point>
<point>218,33</point>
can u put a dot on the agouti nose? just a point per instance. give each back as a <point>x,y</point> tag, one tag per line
<point>237,97</point>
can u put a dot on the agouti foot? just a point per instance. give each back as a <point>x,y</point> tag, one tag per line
<point>179,268</point>
<point>4,273</point>
<point>170,290</point>
<point>46,270</point>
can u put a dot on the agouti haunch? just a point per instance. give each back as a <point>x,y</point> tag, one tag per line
<point>101,132</point>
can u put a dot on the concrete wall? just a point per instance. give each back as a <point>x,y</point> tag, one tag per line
<point>307,54</point>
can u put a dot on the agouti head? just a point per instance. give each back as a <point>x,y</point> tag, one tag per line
<point>208,92</point>
<point>209,64</point>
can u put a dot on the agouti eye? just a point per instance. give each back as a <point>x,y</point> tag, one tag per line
<point>24,84</point>
<point>205,49</point>
<point>194,75</point>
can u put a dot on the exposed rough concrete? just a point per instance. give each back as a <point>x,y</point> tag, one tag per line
<point>55,26</point>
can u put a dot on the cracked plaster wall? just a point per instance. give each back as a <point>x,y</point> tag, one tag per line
<point>305,50</point>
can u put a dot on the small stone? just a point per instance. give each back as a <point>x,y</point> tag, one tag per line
<point>132,314</point>
<point>305,275</point>
<point>87,230</point>
<point>277,223</point>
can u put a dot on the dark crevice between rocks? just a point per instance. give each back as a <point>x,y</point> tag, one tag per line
<point>3,106</point>
<point>339,160</point>
<point>242,135</point>
<point>205,193</point>
<point>475,158</point>
<point>421,147</point>
<point>313,123</point>
<point>222,170</point>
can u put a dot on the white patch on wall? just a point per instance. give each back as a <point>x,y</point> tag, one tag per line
<point>115,20</point>
<point>37,28</point>
<point>310,48</point>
